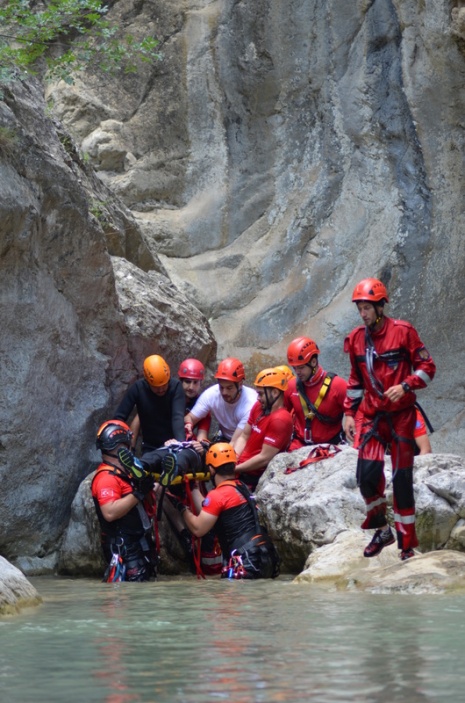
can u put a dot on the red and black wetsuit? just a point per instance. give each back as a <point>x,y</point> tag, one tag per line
<point>380,360</point>
<point>129,535</point>
<point>239,531</point>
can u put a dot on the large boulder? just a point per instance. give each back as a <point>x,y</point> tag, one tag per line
<point>341,565</point>
<point>16,592</point>
<point>311,507</point>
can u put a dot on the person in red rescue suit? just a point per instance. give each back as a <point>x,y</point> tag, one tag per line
<point>315,397</point>
<point>268,429</point>
<point>123,505</point>
<point>248,552</point>
<point>388,363</point>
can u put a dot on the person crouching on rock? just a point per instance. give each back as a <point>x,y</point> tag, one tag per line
<point>121,499</point>
<point>248,552</point>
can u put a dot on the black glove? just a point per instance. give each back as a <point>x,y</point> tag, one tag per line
<point>142,486</point>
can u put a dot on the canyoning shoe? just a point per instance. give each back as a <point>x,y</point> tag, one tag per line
<point>169,470</point>
<point>380,540</point>
<point>407,554</point>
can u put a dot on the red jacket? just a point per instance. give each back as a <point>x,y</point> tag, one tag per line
<point>399,356</point>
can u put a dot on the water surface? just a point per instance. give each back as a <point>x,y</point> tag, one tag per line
<point>189,641</point>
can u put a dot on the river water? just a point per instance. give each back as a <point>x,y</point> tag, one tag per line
<point>189,641</point>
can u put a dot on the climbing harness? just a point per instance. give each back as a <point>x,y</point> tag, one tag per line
<point>116,569</point>
<point>310,409</point>
<point>318,453</point>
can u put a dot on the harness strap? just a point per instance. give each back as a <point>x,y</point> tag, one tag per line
<point>318,453</point>
<point>425,417</point>
<point>372,432</point>
<point>196,541</point>
<point>370,356</point>
<point>311,409</point>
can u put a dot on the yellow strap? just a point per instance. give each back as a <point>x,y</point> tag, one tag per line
<point>309,414</point>
<point>188,477</point>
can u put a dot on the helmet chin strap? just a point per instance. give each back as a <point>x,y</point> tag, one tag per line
<point>379,317</point>
<point>268,404</point>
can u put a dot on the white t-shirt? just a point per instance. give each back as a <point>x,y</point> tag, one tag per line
<point>229,416</point>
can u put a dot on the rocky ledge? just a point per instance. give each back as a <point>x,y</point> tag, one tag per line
<point>16,592</point>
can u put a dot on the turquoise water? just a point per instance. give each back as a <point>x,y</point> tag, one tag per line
<point>188,641</point>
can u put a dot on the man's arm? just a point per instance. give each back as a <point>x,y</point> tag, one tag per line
<point>135,429</point>
<point>241,440</point>
<point>199,524</point>
<point>177,413</point>
<point>115,509</point>
<point>126,405</point>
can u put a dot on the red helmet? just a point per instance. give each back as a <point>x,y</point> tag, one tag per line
<point>370,290</point>
<point>112,433</point>
<point>219,454</point>
<point>230,369</point>
<point>191,368</point>
<point>156,370</point>
<point>301,350</point>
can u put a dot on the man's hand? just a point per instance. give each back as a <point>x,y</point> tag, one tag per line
<point>142,486</point>
<point>394,393</point>
<point>349,428</point>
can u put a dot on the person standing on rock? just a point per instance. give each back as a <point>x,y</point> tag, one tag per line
<point>268,429</point>
<point>388,363</point>
<point>229,401</point>
<point>315,397</point>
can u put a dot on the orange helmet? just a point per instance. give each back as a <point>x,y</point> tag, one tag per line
<point>112,433</point>
<point>219,454</point>
<point>285,369</point>
<point>191,368</point>
<point>370,290</point>
<point>301,350</point>
<point>272,378</point>
<point>156,370</point>
<point>230,369</point>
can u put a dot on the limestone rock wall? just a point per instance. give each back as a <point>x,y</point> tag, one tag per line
<point>279,152</point>
<point>82,302</point>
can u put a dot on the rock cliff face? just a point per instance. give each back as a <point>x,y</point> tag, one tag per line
<point>280,152</point>
<point>80,310</point>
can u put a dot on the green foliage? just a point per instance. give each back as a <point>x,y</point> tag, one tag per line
<point>65,36</point>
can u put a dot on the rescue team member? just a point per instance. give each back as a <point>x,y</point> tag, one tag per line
<point>268,429</point>
<point>191,373</point>
<point>315,397</point>
<point>120,501</point>
<point>388,363</point>
<point>160,403</point>
<point>229,401</point>
<point>248,552</point>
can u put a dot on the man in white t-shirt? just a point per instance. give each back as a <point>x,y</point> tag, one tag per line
<point>229,402</point>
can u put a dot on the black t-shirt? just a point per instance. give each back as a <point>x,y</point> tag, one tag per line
<point>161,417</point>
